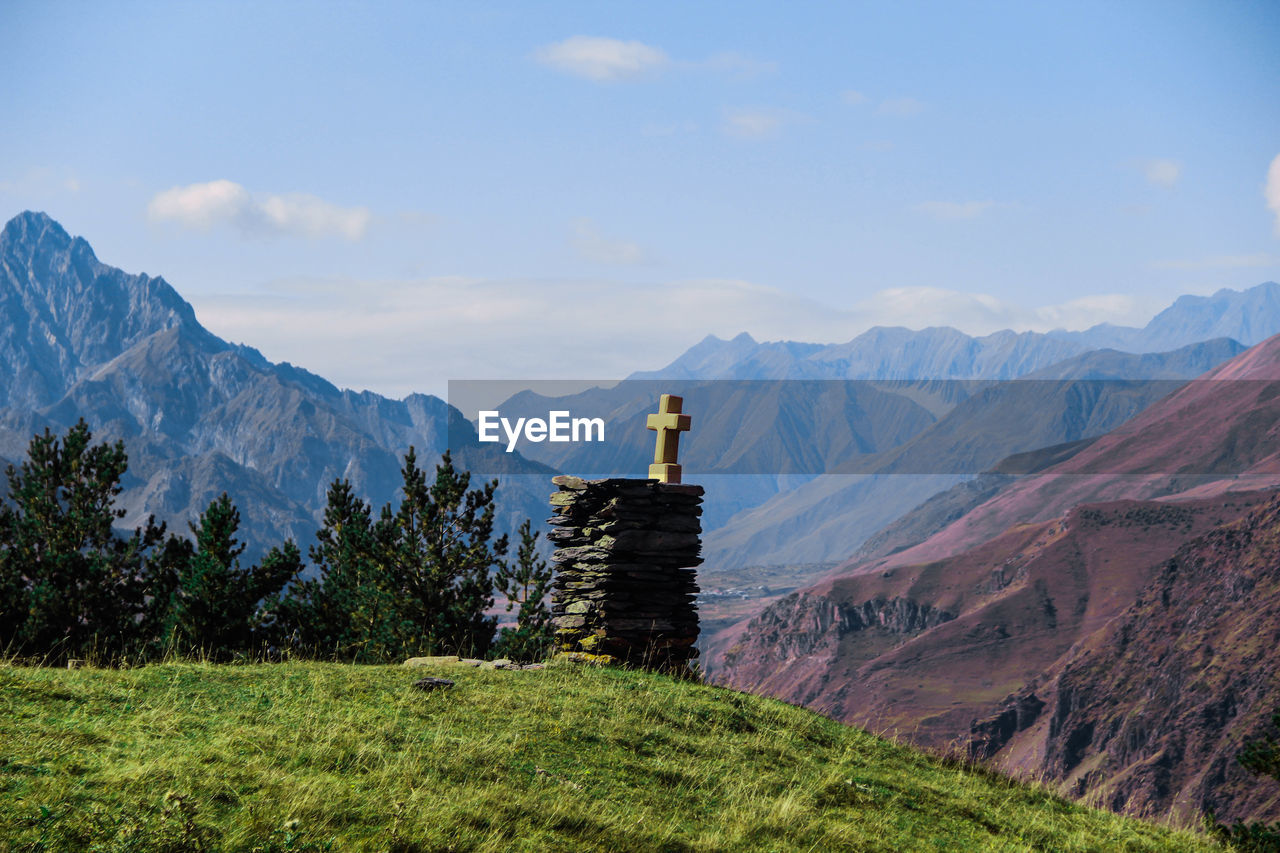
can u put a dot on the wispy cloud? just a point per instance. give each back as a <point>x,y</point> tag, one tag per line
<point>1259,259</point>
<point>753,124</point>
<point>40,180</point>
<point>1162,172</point>
<point>737,65</point>
<point>594,246</point>
<point>224,202</point>
<point>1273,190</point>
<point>979,313</point>
<point>602,59</point>
<point>955,210</point>
<point>853,97</point>
<point>606,60</point>
<point>901,107</point>
<point>380,334</point>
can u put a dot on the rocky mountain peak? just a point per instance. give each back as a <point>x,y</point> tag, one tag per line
<point>36,229</point>
<point>81,339</point>
<point>65,311</point>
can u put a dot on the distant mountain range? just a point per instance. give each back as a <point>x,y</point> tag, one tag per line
<point>199,415</point>
<point>1097,623</point>
<point>889,444</point>
<point>1215,434</point>
<point>826,520</point>
<point>1246,316</point>
<point>1082,397</point>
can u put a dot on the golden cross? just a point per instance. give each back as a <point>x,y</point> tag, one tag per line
<point>669,423</point>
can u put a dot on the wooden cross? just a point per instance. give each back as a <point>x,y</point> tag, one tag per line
<point>669,423</point>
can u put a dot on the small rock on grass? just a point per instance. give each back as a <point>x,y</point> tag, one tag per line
<point>433,683</point>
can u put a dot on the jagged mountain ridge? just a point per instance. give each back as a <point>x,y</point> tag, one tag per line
<point>1248,316</point>
<point>940,352</point>
<point>882,352</point>
<point>65,312</point>
<point>1082,397</point>
<point>1215,434</point>
<point>199,415</point>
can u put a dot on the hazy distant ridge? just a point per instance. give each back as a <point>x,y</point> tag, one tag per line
<point>883,352</point>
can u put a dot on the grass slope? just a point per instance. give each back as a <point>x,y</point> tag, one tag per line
<point>305,756</point>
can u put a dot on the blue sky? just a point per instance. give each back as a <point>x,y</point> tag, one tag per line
<point>394,195</point>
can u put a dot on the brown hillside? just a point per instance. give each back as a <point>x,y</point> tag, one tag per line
<point>1150,715</point>
<point>926,649</point>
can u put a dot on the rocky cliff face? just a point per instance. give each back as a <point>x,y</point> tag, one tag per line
<point>987,652</point>
<point>66,312</point>
<point>805,624</point>
<point>1150,718</point>
<point>199,415</point>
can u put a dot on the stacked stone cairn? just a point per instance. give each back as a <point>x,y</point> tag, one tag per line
<point>624,586</point>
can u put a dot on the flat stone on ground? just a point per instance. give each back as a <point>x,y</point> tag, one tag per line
<point>432,660</point>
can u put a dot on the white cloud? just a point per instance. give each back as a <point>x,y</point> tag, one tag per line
<point>224,202</point>
<point>1162,172</point>
<point>396,337</point>
<point>1273,190</point>
<point>594,246</point>
<point>40,182</point>
<point>753,124</point>
<point>738,65</point>
<point>902,107</point>
<point>1259,259</point>
<point>201,205</point>
<point>954,210</point>
<point>978,313</point>
<point>853,98</point>
<point>606,59</point>
<point>602,59</point>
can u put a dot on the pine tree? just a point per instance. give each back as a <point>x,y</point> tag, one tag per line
<point>73,586</point>
<point>436,548</point>
<point>217,608</point>
<point>349,609</point>
<point>526,584</point>
<point>166,565</point>
<point>14,599</point>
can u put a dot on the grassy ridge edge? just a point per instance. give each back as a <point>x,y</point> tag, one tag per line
<point>313,756</point>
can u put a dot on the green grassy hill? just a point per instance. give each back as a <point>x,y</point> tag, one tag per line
<point>324,756</point>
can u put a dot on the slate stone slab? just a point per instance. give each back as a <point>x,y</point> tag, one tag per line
<point>429,684</point>
<point>625,583</point>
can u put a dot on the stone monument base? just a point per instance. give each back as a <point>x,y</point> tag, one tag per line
<point>624,585</point>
